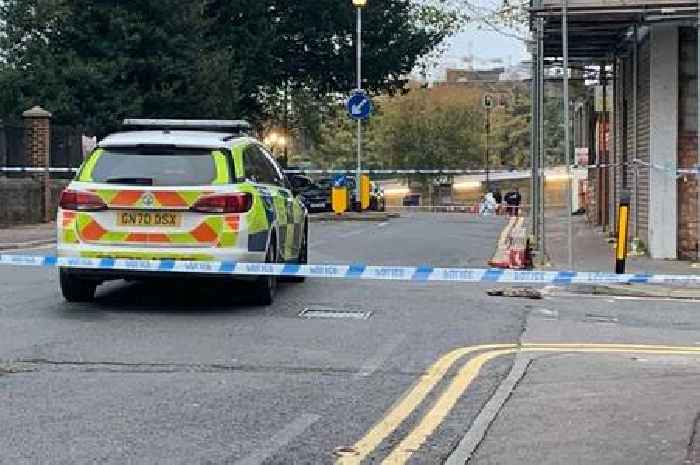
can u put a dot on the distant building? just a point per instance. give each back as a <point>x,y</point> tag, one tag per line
<point>499,81</point>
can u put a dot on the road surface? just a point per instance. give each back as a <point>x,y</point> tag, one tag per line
<point>173,373</point>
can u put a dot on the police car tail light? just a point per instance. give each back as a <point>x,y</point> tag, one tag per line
<point>239,202</point>
<point>81,201</point>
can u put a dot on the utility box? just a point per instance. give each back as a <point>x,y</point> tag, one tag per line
<point>339,199</point>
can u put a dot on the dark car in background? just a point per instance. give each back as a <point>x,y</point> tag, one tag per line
<point>317,196</point>
<point>411,200</point>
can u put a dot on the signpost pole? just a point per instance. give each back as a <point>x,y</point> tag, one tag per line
<point>488,137</point>
<point>487,103</point>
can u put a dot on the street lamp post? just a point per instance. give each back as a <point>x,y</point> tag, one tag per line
<point>274,140</point>
<point>359,4</point>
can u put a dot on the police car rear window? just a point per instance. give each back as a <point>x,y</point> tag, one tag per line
<point>156,167</point>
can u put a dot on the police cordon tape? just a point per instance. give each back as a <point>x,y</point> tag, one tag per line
<point>512,174</point>
<point>352,271</point>
<point>30,169</point>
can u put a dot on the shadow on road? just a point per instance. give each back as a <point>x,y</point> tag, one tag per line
<point>175,296</point>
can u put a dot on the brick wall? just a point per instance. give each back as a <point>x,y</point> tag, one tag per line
<point>687,197</point>
<point>687,145</point>
<point>22,200</point>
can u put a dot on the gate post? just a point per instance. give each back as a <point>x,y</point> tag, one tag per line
<point>37,146</point>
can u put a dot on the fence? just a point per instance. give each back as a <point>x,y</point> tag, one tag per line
<point>66,147</point>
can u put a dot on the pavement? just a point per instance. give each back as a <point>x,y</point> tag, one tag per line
<point>593,251</point>
<point>183,372</point>
<point>30,235</point>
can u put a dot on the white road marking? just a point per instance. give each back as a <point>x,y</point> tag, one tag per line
<point>380,356</point>
<point>381,225</point>
<point>279,440</point>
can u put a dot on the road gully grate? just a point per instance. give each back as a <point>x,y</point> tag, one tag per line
<point>595,318</point>
<point>334,313</point>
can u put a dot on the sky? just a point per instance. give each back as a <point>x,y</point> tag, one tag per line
<point>483,43</point>
<point>486,44</point>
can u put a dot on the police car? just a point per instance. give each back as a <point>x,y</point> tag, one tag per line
<point>179,190</point>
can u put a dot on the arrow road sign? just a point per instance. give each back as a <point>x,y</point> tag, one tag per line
<point>359,105</point>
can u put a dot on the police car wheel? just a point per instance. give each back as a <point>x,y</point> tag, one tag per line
<point>266,286</point>
<point>303,258</point>
<point>76,289</point>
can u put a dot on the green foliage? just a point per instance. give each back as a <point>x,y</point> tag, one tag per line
<point>92,62</point>
<point>510,140</point>
<point>439,128</point>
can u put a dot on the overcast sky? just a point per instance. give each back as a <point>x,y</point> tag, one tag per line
<point>481,40</point>
<point>486,44</point>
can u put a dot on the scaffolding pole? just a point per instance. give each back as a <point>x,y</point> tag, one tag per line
<point>613,171</point>
<point>540,144</point>
<point>567,132</point>
<point>604,158</point>
<point>697,77</point>
<point>534,150</point>
<point>635,165</point>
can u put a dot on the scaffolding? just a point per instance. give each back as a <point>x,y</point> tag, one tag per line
<point>588,35</point>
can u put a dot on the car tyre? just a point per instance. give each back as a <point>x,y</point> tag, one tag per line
<point>265,286</point>
<point>76,289</point>
<point>303,258</point>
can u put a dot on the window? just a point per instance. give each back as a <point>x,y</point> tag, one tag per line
<point>158,166</point>
<point>279,175</point>
<point>258,168</point>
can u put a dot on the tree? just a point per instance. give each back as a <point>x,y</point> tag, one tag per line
<point>438,128</point>
<point>510,141</point>
<point>96,62</point>
<point>93,62</point>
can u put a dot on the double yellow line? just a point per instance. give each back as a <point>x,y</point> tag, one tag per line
<point>466,375</point>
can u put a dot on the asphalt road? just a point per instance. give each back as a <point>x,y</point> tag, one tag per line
<point>175,373</point>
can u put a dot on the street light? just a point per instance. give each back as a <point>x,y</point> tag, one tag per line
<point>275,140</point>
<point>359,4</point>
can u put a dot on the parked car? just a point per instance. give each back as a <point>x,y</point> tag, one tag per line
<point>411,200</point>
<point>317,196</point>
<point>179,190</point>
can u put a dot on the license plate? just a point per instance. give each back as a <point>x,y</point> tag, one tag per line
<point>318,205</point>
<point>167,220</point>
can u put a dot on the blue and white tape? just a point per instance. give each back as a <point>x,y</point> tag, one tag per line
<point>353,271</point>
<point>505,174</point>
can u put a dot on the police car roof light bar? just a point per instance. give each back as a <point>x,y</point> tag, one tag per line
<point>216,125</point>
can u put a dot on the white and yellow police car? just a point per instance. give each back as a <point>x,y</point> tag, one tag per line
<point>179,190</point>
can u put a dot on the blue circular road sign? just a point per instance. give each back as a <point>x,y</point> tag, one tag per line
<point>359,105</point>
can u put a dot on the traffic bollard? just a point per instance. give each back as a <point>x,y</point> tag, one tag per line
<point>623,214</point>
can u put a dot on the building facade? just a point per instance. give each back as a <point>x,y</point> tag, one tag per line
<point>641,137</point>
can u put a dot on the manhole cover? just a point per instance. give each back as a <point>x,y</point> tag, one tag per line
<point>327,312</point>
<point>600,318</point>
<point>547,314</point>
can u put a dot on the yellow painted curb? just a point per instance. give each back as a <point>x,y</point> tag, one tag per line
<point>439,410</point>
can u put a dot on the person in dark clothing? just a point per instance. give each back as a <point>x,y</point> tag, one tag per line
<point>513,199</point>
<point>499,201</point>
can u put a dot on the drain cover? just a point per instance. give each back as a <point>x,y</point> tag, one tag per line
<point>327,312</point>
<point>600,318</point>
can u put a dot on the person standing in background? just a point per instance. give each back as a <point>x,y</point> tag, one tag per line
<point>513,199</point>
<point>499,201</point>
